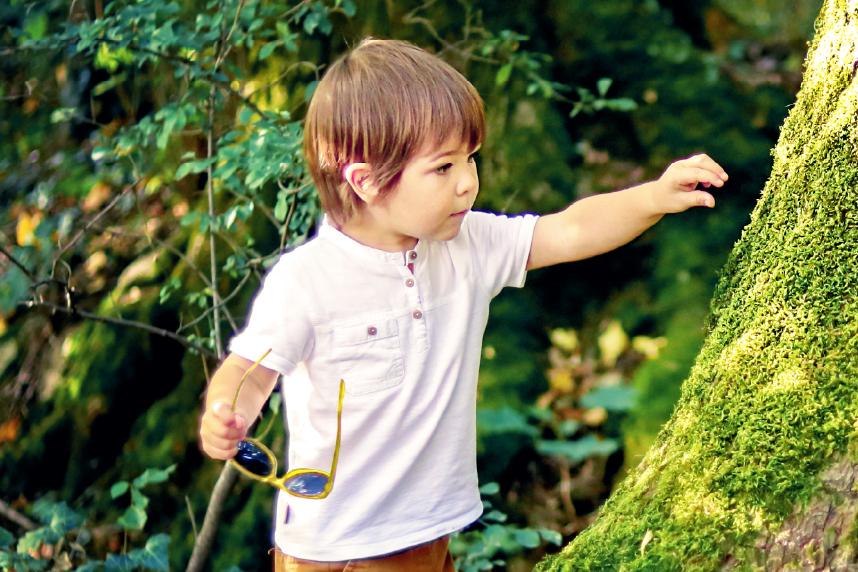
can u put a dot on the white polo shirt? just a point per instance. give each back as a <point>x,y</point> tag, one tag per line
<point>408,347</point>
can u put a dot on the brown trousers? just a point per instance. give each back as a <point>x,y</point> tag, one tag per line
<point>430,557</point>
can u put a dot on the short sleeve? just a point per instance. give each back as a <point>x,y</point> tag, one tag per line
<point>277,321</point>
<point>500,247</point>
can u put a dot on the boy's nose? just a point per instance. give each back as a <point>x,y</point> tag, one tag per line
<point>468,183</point>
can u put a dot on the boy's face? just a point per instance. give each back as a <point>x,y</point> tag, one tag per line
<point>437,188</point>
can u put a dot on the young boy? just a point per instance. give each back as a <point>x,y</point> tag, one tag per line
<point>392,297</point>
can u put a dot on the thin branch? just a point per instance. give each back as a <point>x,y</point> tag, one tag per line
<point>19,264</point>
<point>72,311</point>
<point>95,219</point>
<point>222,305</point>
<point>14,516</point>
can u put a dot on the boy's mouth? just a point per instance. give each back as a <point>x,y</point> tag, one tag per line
<point>461,213</point>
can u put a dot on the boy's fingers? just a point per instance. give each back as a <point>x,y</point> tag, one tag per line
<point>214,426</point>
<point>704,161</point>
<point>224,412</point>
<point>694,175</point>
<point>219,453</point>
<point>220,444</point>
<point>701,199</point>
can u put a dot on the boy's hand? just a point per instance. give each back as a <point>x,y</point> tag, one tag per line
<point>676,190</point>
<point>220,431</point>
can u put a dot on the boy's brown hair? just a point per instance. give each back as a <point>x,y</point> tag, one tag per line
<point>380,104</point>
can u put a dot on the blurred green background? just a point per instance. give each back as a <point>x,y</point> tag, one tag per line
<point>120,122</point>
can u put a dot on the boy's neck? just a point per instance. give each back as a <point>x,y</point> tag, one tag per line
<point>371,235</point>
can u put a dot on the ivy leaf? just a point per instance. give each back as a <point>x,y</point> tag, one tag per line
<point>6,538</point>
<point>118,489</point>
<point>603,85</point>
<point>527,537</point>
<point>154,556</point>
<point>138,499</point>
<point>505,420</point>
<point>612,398</point>
<point>153,476</point>
<point>577,451</point>
<point>490,489</point>
<point>133,519</point>
<point>551,536</point>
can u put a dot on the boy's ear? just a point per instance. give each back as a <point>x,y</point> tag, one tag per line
<point>357,175</point>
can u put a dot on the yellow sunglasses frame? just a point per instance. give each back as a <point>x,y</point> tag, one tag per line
<point>272,478</point>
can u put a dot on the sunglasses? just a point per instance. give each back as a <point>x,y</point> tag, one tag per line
<point>258,462</point>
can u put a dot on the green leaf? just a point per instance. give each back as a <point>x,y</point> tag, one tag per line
<point>34,539</point>
<point>621,104</point>
<point>57,515</point>
<point>527,537</point>
<point>569,427</point>
<point>119,563</point>
<point>62,114</point>
<point>310,90</point>
<point>118,489</point>
<point>36,26</point>
<point>275,402</point>
<point>155,555</point>
<point>495,516</point>
<point>502,77</point>
<point>133,519</point>
<point>6,538</point>
<point>603,85</point>
<point>612,398</point>
<point>349,8</point>
<point>138,499</point>
<point>577,451</point>
<point>153,476</point>
<point>197,166</point>
<point>490,489</point>
<point>505,420</point>
<point>551,536</point>
<point>267,50</point>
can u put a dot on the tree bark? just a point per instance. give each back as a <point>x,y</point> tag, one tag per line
<point>756,469</point>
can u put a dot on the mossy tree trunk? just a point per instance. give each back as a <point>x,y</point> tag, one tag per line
<point>756,470</point>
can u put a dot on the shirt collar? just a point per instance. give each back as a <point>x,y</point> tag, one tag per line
<point>329,232</point>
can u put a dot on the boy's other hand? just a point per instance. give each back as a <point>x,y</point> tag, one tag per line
<point>676,190</point>
<point>220,431</point>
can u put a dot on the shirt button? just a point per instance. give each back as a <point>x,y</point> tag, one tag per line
<point>372,330</point>
<point>417,314</point>
<point>409,282</point>
<point>412,255</point>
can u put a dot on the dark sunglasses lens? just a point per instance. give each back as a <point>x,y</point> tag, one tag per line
<point>307,484</point>
<point>254,459</point>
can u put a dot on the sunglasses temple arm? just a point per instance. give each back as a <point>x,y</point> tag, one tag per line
<point>333,472</point>
<point>244,377</point>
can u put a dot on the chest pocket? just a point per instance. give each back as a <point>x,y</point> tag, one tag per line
<point>368,355</point>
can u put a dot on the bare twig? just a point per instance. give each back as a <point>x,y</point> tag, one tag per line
<point>72,311</point>
<point>14,516</point>
<point>18,263</point>
<point>222,305</point>
<point>226,480</point>
<point>94,220</point>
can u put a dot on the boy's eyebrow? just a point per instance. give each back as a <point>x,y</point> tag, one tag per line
<point>446,153</point>
<point>442,154</point>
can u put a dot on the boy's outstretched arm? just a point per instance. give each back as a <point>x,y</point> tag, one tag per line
<point>601,223</point>
<point>221,428</point>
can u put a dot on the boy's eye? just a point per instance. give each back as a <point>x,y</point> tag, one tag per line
<point>443,168</point>
<point>474,156</point>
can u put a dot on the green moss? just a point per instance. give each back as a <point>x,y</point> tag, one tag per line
<point>771,399</point>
